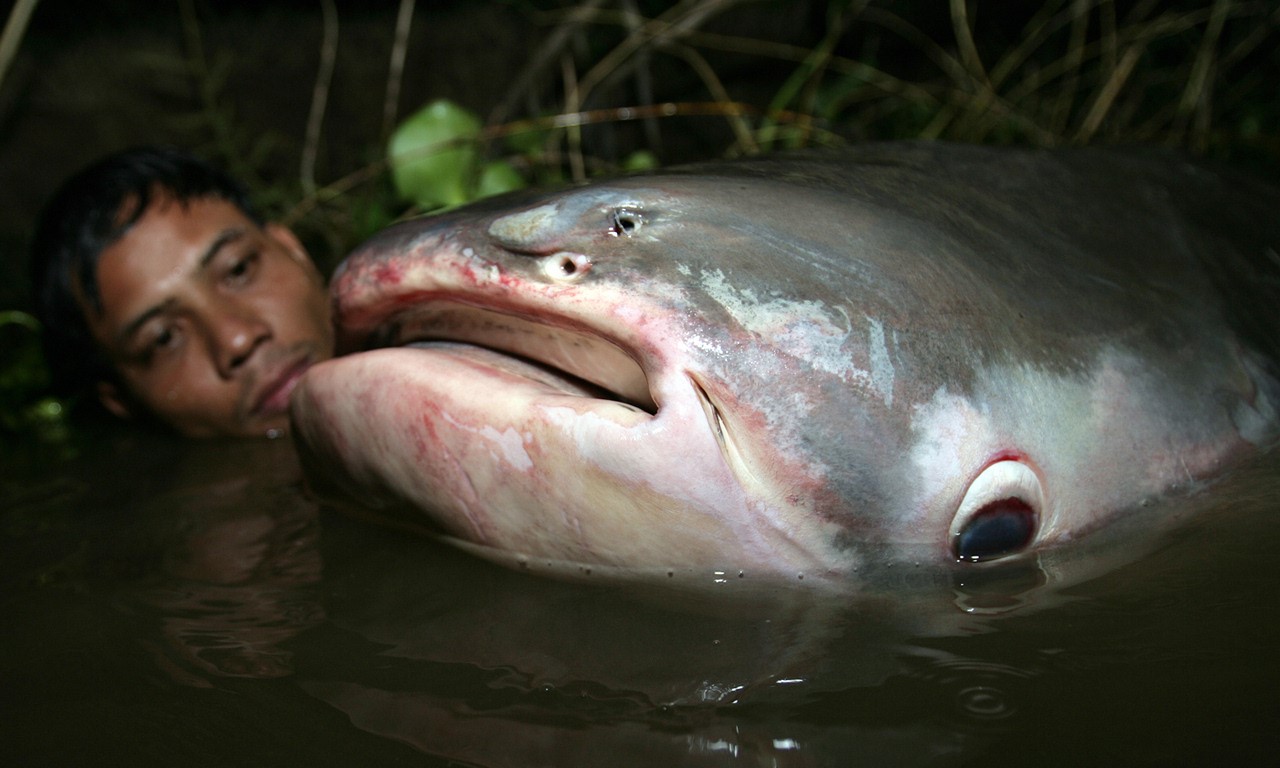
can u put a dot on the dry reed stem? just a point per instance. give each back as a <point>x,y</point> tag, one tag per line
<point>1107,95</point>
<point>395,70</point>
<point>1103,81</point>
<point>543,57</point>
<point>15,28</point>
<point>577,166</point>
<point>207,87</point>
<point>720,95</point>
<point>1060,107</point>
<point>319,96</point>
<point>671,26</point>
<point>563,121</point>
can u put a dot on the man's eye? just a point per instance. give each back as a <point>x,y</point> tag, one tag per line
<point>166,338</point>
<point>159,342</point>
<point>242,268</point>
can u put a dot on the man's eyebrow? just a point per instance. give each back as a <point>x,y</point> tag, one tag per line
<point>228,235</point>
<point>136,323</point>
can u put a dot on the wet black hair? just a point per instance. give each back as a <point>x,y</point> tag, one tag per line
<point>90,211</point>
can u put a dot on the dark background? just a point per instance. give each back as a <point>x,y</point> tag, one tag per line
<point>233,81</point>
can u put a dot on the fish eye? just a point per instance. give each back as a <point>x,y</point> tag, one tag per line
<point>1000,513</point>
<point>1000,528</point>
<point>626,222</point>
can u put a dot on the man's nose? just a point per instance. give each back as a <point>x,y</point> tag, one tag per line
<point>235,333</point>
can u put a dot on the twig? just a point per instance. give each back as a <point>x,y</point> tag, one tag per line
<point>644,74</point>
<point>14,29</point>
<point>687,15</point>
<point>546,54</point>
<point>721,95</point>
<point>399,51</point>
<point>1060,113</point>
<point>968,49</point>
<point>1107,96</point>
<point>319,96</point>
<point>845,66</point>
<point>207,85</point>
<point>809,73</point>
<point>953,69</point>
<point>573,135</point>
<point>1195,97</point>
<point>562,121</point>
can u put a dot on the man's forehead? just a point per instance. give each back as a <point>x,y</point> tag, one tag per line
<point>140,220</point>
<point>169,243</point>
<point>171,222</point>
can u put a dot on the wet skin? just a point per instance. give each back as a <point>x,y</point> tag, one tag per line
<point>823,363</point>
<point>209,319</point>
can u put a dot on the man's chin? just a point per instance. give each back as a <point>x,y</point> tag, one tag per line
<point>269,426</point>
<point>272,425</point>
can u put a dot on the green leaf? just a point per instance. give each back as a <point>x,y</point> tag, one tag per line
<point>498,177</point>
<point>433,155</point>
<point>640,160</point>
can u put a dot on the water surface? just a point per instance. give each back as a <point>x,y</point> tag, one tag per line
<point>170,603</point>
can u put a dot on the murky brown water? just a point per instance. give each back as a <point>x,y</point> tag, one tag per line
<point>187,604</point>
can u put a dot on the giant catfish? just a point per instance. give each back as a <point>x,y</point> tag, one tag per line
<point>806,365</point>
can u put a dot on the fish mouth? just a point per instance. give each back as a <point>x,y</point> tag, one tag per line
<point>271,398</point>
<point>572,360</point>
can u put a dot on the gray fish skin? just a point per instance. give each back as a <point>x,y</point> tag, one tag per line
<point>815,363</point>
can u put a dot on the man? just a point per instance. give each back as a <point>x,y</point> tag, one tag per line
<point>163,293</point>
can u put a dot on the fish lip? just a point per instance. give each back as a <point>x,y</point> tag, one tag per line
<point>272,398</point>
<point>609,369</point>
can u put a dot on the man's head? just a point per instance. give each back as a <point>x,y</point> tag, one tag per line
<point>161,290</point>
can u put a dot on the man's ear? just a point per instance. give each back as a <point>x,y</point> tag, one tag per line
<point>114,400</point>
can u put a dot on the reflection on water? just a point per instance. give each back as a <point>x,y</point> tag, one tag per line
<point>170,603</point>
<point>237,578</point>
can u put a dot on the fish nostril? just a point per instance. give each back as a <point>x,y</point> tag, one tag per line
<point>565,266</point>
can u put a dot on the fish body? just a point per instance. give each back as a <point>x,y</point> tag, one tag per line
<point>812,363</point>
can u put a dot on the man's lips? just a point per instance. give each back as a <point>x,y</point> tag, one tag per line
<point>273,398</point>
